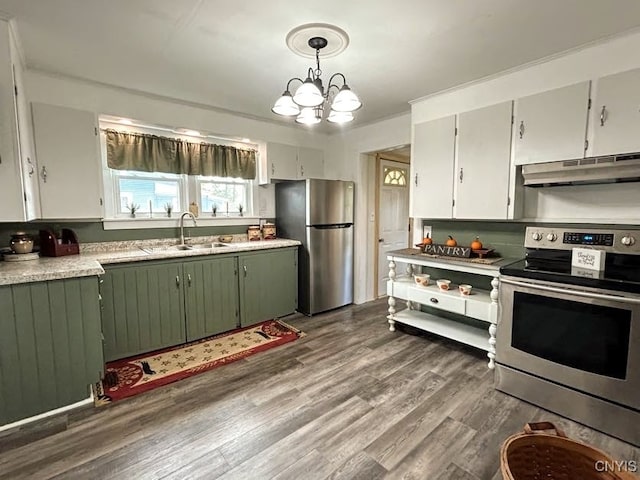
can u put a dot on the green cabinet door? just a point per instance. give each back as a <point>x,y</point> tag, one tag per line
<point>268,284</point>
<point>211,296</point>
<point>142,308</point>
<point>50,345</point>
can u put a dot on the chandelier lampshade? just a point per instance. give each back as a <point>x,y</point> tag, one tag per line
<point>285,106</point>
<point>346,100</point>
<point>339,117</point>
<point>308,94</point>
<point>310,99</point>
<point>310,115</point>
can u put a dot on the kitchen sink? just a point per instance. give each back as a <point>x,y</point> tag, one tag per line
<point>206,245</point>
<point>169,248</point>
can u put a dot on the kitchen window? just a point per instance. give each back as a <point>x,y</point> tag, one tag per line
<point>154,191</point>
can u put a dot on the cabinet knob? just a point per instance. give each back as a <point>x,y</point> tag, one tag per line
<point>244,267</point>
<point>433,300</point>
<point>603,115</point>
<point>189,279</point>
<point>521,129</point>
<point>461,174</point>
<point>177,281</point>
<point>416,180</point>
<point>43,172</point>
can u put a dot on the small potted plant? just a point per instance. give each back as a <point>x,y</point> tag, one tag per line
<point>133,208</point>
<point>240,209</point>
<point>168,207</point>
<point>214,209</point>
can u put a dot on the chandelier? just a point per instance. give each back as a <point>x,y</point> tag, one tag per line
<point>311,99</point>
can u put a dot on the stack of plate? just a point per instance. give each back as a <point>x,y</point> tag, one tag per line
<point>9,255</point>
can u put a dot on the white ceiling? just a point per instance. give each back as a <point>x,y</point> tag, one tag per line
<point>233,55</point>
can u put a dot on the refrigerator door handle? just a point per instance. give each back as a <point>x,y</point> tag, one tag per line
<point>332,226</point>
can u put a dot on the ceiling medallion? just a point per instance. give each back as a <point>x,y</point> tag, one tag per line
<point>308,102</point>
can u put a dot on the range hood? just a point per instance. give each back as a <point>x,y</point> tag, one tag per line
<point>609,169</point>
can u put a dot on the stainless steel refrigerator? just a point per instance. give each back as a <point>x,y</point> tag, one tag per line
<point>319,213</point>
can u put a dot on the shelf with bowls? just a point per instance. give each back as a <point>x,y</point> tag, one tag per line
<point>418,289</point>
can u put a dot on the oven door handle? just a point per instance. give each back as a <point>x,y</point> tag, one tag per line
<point>578,293</point>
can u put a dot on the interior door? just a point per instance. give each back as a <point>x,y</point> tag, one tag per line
<point>393,214</point>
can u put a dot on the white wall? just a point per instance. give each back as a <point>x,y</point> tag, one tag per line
<point>103,99</point>
<point>586,204</point>
<point>614,56</point>
<point>346,159</point>
<point>152,109</point>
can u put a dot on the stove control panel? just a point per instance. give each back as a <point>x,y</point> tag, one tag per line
<point>614,241</point>
<point>581,238</point>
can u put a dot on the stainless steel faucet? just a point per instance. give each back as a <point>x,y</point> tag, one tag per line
<point>195,224</point>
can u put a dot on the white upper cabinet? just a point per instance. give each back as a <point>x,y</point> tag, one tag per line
<point>69,163</point>
<point>615,115</point>
<point>310,163</point>
<point>288,162</point>
<point>432,157</point>
<point>482,167</point>
<point>18,183</point>
<point>552,125</point>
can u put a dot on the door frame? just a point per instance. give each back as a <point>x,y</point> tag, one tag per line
<point>376,225</point>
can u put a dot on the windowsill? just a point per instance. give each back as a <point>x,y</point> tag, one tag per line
<point>174,222</point>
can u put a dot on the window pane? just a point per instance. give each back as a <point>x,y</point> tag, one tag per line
<point>141,190</point>
<point>223,195</point>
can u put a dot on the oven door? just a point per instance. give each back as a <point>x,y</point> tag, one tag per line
<point>583,338</point>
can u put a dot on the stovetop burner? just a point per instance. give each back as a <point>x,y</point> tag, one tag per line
<point>549,258</point>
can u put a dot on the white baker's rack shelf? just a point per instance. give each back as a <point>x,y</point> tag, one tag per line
<point>481,305</point>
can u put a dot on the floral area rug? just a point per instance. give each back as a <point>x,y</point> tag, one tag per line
<point>130,376</point>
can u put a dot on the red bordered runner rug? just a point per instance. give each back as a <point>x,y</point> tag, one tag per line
<point>133,375</point>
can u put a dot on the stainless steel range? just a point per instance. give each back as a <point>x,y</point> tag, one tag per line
<point>568,339</point>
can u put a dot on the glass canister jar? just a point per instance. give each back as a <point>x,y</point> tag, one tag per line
<point>269,231</point>
<point>253,233</point>
<point>21,242</point>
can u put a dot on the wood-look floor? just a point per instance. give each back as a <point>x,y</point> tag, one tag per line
<point>351,400</point>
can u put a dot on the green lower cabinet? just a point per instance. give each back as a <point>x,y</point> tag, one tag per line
<point>152,305</point>
<point>143,308</point>
<point>268,284</point>
<point>211,296</point>
<point>50,345</point>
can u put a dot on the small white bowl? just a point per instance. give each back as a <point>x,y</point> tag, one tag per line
<point>443,284</point>
<point>465,289</point>
<point>422,279</point>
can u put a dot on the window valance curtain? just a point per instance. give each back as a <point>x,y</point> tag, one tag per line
<point>150,153</point>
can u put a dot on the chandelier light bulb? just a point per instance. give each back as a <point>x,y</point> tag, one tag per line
<point>339,117</point>
<point>285,105</point>
<point>308,94</point>
<point>346,100</point>
<point>309,116</point>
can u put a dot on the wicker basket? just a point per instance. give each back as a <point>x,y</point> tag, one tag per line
<point>534,455</point>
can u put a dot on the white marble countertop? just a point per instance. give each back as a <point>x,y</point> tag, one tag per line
<point>93,256</point>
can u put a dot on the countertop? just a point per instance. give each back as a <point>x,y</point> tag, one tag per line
<point>476,265</point>
<point>93,256</point>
